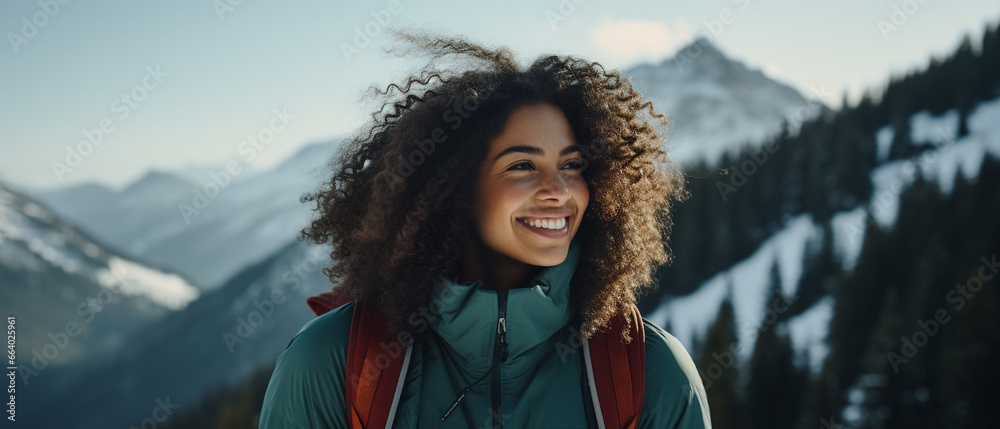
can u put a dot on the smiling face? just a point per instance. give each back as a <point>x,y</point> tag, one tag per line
<point>531,194</point>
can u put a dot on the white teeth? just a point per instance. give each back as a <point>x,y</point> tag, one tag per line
<point>547,223</point>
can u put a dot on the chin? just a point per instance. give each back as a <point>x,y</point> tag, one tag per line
<point>547,258</point>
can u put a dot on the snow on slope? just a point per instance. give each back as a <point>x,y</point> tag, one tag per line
<point>692,315</point>
<point>30,234</point>
<point>848,236</point>
<point>166,217</point>
<point>53,276</point>
<point>924,128</point>
<point>808,330</point>
<point>169,290</point>
<point>950,156</point>
<point>220,339</point>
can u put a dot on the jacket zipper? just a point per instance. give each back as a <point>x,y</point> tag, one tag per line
<point>499,355</point>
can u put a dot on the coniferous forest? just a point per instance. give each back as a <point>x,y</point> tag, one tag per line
<point>914,336</point>
<point>915,330</point>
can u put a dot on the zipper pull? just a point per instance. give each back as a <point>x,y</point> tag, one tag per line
<point>502,331</point>
<point>454,405</point>
<point>461,395</point>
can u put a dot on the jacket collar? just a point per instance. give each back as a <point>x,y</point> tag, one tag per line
<point>469,313</point>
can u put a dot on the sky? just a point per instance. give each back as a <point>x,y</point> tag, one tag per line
<point>107,91</point>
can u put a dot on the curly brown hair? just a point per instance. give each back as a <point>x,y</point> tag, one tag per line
<point>398,207</point>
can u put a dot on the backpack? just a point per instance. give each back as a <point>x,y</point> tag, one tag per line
<point>615,371</point>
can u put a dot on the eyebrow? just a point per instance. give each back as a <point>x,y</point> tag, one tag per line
<point>532,150</point>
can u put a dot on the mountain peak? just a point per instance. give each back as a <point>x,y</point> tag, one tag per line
<point>702,56</point>
<point>716,105</point>
<point>156,181</point>
<point>702,46</point>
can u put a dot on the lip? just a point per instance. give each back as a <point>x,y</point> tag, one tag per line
<point>548,233</point>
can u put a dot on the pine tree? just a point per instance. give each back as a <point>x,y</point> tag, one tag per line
<point>718,367</point>
<point>858,299</point>
<point>820,269</point>
<point>775,383</point>
<point>968,77</point>
<point>820,408</point>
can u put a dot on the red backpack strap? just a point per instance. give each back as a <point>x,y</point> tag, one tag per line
<point>376,364</point>
<point>617,373</point>
<point>326,301</point>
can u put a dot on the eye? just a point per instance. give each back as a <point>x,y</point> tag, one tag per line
<point>515,166</point>
<point>576,164</point>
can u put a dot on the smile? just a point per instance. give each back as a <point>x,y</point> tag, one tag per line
<point>551,228</point>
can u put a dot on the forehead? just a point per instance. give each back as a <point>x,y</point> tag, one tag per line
<point>540,125</point>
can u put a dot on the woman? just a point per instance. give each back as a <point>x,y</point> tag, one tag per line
<point>491,214</point>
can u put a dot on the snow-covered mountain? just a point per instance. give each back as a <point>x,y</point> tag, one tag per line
<point>690,317</point>
<point>177,220</point>
<point>74,299</point>
<point>219,339</point>
<point>717,105</point>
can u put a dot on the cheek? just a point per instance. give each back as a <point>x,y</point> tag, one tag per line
<point>506,200</point>
<point>498,203</point>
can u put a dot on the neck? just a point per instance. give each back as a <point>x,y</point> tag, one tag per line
<point>497,271</point>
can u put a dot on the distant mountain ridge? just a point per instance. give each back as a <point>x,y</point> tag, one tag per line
<point>716,105</point>
<point>250,218</point>
<point>75,300</point>
<point>217,340</point>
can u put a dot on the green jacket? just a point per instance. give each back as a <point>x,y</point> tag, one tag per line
<point>540,382</point>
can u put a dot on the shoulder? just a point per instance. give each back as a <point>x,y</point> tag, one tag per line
<point>666,358</point>
<point>674,395</point>
<point>324,337</point>
<point>307,387</point>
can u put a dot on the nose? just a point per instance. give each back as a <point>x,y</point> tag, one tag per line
<point>552,187</point>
